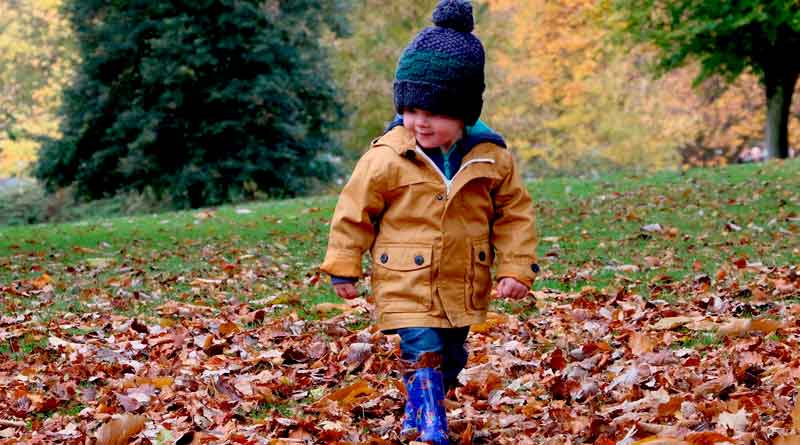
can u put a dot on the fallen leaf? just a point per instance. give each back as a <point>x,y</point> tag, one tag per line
<point>669,323</point>
<point>735,421</point>
<point>796,416</point>
<point>708,438</point>
<point>324,308</point>
<point>466,436</point>
<point>765,325</point>
<point>492,319</point>
<point>655,440</point>
<point>100,263</point>
<point>627,268</point>
<point>119,430</point>
<point>640,344</point>
<point>735,327</point>
<point>347,396</point>
<point>792,439</point>
<point>656,228</point>
<point>741,326</point>
<point>41,281</point>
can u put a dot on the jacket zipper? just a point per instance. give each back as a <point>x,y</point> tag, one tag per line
<point>448,182</point>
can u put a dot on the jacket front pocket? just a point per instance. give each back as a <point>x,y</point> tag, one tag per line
<point>481,263</point>
<point>402,277</point>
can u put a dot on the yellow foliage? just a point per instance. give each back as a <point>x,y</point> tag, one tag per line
<point>562,92</point>
<point>36,60</point>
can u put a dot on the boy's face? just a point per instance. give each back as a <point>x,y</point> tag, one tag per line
<point>433,130</point>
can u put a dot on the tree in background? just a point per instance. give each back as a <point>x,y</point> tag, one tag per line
<point>728,38</point>
<point>37,57</point>
<point>366,60</point>
<point>566,96</point>
<point>202,101</point>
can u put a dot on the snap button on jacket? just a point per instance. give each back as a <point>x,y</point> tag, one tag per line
<point>432,241</point>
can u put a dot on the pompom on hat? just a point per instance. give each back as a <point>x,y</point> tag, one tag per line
<point>441,70</point>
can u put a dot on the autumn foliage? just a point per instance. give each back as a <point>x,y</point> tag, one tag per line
<point>565,92</point>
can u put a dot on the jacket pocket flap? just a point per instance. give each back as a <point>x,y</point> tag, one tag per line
<point>403,257</point>
<point>482,253</point>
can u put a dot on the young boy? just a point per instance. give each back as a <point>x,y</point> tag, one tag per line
<point>435,199</point>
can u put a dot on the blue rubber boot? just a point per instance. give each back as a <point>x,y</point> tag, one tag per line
<point>425,387</point>
<point>409,430</point>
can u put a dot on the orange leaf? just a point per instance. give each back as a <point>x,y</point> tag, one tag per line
<point>42,281</point>
<point>119,430</point>
<point>671,407</point>
<point>766,325</point>
<point>348,395</point>
<point>736,327</point>
<point>466,436</point>
<point>796,416</point>
<point>655,440</point>
<point>707,438</point>
<point>793,439</point>
<point>228,328</point>
<point>492,319</point>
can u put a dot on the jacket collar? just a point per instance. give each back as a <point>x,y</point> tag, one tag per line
<point>475,134</point>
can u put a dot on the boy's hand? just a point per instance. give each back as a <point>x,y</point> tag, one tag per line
<point>346,290</point>
<point>510,288</point>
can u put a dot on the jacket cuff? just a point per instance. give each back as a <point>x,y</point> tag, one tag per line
<point>524,273</point>
<point>342,280</point>
<point>341,263</point>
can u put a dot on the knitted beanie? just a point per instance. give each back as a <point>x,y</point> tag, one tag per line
<point>441,70</point>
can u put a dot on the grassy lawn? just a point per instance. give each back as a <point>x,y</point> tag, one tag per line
<point>590,235</point>
<point>250,272</point>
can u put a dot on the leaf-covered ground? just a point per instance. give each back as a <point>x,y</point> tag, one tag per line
<point>667,313</point>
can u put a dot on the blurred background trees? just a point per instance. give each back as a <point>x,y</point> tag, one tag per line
<point>727,38</point>
<point>37,56</point>
<point>202,102</point>
<point>218,100</point>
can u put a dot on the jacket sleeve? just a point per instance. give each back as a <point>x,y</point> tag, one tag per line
<point>352,231</point>
<point>514,229</point>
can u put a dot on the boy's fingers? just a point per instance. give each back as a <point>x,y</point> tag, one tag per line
<point>349,292</point>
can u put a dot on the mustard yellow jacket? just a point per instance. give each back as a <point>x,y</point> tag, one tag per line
<point>432,241</point>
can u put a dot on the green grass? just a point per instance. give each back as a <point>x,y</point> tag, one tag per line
<point>699,340</point>
<point>18,348</point>
<point>268,251</point>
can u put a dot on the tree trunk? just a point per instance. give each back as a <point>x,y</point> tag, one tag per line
<point>780,88</point>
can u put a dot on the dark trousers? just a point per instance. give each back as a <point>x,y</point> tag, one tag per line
<point>448,342</point>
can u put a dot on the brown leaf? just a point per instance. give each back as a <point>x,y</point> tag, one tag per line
<point>640,344</point>
<point>301,434</point>
<point>669,323</point>
<point>557,362</point>
<point>742,326</point>
<point>796,416</point>
<point>735,327</point>
<point>118,431</point>
<point>466,436</point>
<point>792,439</point>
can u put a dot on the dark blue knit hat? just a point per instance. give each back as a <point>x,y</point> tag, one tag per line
<point>441,70</point>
